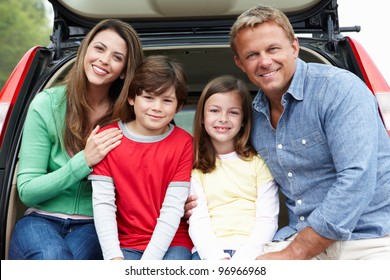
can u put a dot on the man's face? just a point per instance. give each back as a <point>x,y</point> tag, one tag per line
<point>267,56</point>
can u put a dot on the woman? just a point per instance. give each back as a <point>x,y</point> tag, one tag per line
<point>61,145</point>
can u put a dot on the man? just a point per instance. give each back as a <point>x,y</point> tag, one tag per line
<point>319,131</point>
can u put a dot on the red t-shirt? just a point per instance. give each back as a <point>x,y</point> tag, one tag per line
<point>142,168</point>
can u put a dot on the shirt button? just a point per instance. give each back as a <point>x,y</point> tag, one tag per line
<point>304,141</point>
<point>280,146</point>
<point>289,174</point>
<point>299,201</point>
<point>302,218</point>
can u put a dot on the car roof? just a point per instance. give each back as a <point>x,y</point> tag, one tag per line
<point>306,16</point>
<point>153,9</point>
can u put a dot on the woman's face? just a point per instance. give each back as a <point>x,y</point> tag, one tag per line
<point>105,59</point>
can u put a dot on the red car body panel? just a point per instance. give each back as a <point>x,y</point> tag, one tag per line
<point>11,89</point>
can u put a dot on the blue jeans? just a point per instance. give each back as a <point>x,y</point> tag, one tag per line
<point>173,253</point>
<point>196,257</point>
<point>42,237</point>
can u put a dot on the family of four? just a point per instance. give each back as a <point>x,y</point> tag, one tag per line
<point>106,175</point>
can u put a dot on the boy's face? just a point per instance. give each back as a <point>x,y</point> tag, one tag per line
<point>153,112</point>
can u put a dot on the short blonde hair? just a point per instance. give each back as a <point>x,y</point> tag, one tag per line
<point>257,15</point>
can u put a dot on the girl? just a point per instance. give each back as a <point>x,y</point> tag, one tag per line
<point>238,203</point>
<point>140,188</point>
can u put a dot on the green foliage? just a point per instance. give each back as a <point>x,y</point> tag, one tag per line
<point>23,24</point>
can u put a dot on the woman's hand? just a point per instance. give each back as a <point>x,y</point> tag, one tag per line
<point>99,144</point>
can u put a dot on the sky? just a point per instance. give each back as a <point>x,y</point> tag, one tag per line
<point>373,18</point>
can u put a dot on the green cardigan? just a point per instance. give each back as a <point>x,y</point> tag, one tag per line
<point>48,179</point>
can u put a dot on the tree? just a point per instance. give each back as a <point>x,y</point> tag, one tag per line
<point>23,24</point>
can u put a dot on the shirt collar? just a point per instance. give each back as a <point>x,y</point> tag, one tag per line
<point>298,80</point>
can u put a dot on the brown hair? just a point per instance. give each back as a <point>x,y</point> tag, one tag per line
<point>77,123</point>
<point>156,74</point>
<point>258,15</point>
<point>204,152</point>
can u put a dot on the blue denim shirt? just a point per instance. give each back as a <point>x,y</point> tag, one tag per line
<point>330,154</point>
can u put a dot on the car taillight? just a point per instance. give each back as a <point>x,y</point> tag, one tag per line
<point>384,107</point>
<point>374,80</point>
<point>4,106</point>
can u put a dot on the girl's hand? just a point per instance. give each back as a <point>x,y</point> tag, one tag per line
<point>99,144</point>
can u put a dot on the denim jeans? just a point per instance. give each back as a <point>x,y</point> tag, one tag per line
<point>42,237</point>
<point>196,257</point>
<point>173,253</point>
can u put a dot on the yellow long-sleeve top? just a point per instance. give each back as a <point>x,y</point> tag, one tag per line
<point>238,207</point>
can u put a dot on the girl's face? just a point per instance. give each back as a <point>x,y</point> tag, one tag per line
<point>153,112</point>
<point>223,119</point>
<point>105,59</point>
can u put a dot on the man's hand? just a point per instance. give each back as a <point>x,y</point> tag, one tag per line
<point>190,204</point>
<point>305,246</point>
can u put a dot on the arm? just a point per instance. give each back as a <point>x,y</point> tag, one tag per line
<point>201,230</point>
<point>351,122</point>
<point>171,212</point>
<point>45,168</point>
<point>305,246</point>
<point>267,211</point>
<point>104,210</point>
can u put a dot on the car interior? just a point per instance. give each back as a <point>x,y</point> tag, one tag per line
<point>201,64</point>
